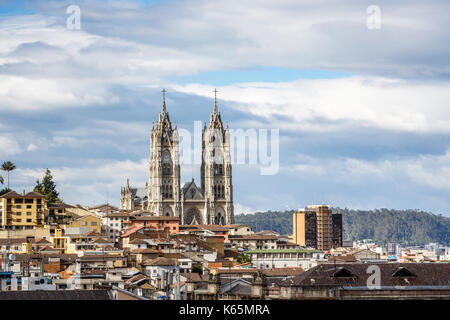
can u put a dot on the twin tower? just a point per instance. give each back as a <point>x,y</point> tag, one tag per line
<point>163,195</point>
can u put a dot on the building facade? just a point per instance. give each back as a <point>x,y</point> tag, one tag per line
<point>209,203</point>
<point>22,211</point>
<point>317,227</point>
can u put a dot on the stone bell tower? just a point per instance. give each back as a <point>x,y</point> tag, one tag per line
<point>216,175</point>
<point>164,168</point>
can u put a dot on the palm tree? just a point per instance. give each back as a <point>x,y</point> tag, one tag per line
<point>8,166</point>
<point>1,180</point>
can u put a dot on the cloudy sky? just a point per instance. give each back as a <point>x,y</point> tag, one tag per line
<point>363,114</point>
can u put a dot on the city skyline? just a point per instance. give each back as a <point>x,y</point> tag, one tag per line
<point>363,124</point>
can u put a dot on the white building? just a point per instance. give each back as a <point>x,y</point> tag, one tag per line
<point>289,258</point>
<point>114,223</point>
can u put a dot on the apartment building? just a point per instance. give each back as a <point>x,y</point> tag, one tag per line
<point>317,227</point>
<point>114,223</point>
<point>22,211</point>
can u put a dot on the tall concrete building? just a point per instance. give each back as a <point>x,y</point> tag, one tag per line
<point>317,227</point>
<point>209,203</point>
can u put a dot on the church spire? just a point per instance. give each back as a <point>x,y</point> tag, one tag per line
<point>216,111</point>
<point>164,101</point>
<point>215,120</point>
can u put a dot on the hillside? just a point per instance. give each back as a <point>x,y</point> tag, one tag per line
<point>410,227</point>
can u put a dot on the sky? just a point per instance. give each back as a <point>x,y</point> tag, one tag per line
<point>363,113</point>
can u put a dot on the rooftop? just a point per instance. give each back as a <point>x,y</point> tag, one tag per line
<point>284,251</point>
<point>13,194</point>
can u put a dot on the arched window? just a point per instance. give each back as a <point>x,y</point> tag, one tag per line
<point>166,163</point>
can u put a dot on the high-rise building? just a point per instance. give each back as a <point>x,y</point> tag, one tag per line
<point>305,228</point>
<point>337,230</point>
<point>317,227</point>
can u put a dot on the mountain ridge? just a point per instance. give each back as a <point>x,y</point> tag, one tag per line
<point>408,227</point>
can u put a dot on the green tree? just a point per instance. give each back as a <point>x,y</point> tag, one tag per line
<point>243,258</point>
<point>8,166</point>
<point>48,188</point>
<point>4,191</point>
<point>197,268</point>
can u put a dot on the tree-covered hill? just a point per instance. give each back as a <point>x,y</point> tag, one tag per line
<point>411,227</point>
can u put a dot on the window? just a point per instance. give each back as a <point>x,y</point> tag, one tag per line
<point>28,206</point>
<point>28,220</point>
<point>18,206</point>
<point>19,213</point>
<point>93,223</point>
<point>84,223</point>
<point>60,211</point>
<point>28,213</point>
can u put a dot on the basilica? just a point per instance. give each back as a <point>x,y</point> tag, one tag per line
<point>209,203</point>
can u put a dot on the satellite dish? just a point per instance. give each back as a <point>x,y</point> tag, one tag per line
<point>12,257</point>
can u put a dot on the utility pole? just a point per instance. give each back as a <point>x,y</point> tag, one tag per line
<point>178,295</point>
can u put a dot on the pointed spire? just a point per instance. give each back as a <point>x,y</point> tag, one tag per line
<point>128,183</point>
<point>215,102</point>
<point>164,101</point>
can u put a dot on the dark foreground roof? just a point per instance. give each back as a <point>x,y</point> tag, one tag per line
<point>357,274</point>
<point>56,295</point>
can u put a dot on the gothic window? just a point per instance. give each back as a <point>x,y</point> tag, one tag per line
<point>166,163</point>
<point>218,219</point>
<point>167,190</point>
<point>218,169</point>
<point>193,216</point>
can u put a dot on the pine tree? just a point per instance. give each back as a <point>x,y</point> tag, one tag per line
<point>48,188</point>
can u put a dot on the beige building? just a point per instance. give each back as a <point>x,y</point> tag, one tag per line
<point>91,222</point>
<point>239,229</point>
<point>22,211</point>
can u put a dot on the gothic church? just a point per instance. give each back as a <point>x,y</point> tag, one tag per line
<point>212,202</point>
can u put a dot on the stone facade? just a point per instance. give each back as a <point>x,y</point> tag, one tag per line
<point>209,203</point>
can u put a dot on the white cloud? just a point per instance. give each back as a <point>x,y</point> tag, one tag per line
<point>396,105</point>
<point>94,181</point>
<point>9,146</point>
<point>32,147</point>
<point>431,171</point>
